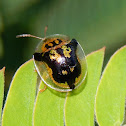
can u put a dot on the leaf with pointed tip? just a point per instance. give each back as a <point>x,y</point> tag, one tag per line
<point>110,98</point>
<point>19,104</point>
<point>79,107</point>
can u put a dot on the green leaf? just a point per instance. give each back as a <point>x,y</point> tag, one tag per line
<point>79,107</point>
<point>20,99</point>
<point>110,98</point>
<point>1,88</point>
<point>49,108</point>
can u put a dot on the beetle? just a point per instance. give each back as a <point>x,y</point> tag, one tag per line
<point>60,62</point>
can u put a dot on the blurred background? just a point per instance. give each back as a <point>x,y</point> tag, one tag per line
<point>94,23</point>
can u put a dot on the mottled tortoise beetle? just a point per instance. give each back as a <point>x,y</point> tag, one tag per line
<point>60,62</point>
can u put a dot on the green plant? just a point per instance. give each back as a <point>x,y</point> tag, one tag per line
<point>25,107</point>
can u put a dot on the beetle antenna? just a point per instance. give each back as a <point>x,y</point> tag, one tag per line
<point>46,27</point>
<point>28,35</point>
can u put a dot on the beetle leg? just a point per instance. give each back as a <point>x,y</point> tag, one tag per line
<point>41,90</point>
